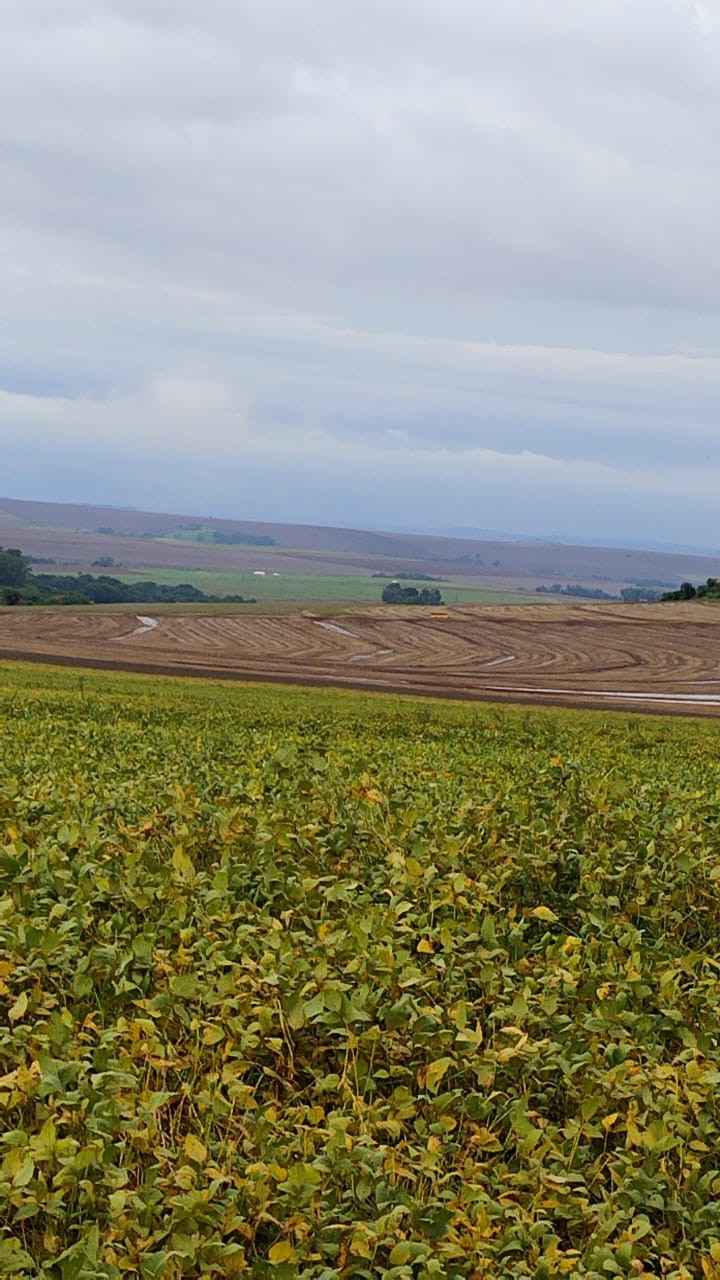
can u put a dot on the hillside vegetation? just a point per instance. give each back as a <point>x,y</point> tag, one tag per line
<point>319,985</point>
<point>709,590</point>
<point>76,536</point>
<point>20,585</point>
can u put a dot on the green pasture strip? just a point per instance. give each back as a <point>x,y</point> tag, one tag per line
<point>305,587</point>
<point>301,983</point>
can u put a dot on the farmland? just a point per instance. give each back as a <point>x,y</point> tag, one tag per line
<point>310,588</point>
<point>321,563</point>
<point>658,657</point>
<point>320,984</point>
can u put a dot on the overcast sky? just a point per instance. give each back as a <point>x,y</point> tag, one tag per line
<point>384,263</point>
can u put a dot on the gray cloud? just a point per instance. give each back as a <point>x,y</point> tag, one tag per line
<point>334,242</point>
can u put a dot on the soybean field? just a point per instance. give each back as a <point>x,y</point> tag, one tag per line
<point>303,983</point>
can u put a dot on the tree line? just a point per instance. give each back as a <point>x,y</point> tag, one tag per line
<point>20,586</point>
<point>709,590</point>
<point>394,593</point>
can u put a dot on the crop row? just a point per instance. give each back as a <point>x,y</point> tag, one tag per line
<point>307,984</point>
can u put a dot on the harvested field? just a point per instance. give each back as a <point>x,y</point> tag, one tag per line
<point>663,658</point>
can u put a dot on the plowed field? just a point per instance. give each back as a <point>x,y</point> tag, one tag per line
<point>659,657</point>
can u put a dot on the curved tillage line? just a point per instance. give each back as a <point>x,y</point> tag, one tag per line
<point>435,647</point>
<point>583,652</point>
<point>462,638</point>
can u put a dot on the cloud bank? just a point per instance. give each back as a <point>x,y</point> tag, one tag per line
<point>390,264</point>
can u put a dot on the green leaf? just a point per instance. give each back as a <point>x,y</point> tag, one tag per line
<point>184,985</point>
<point>25,1173</point>
<point>432,1220</point>
<point>295,1016</point>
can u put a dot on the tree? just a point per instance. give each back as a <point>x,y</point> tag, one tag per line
<point>394,593</point>
<point>686,591</point>
<point>14,567</point>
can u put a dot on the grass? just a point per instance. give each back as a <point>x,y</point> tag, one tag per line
<point>311,587</point>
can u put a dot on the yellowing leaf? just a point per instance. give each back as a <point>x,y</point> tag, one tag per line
<point>543,913</point>
<point>195,1149</point>
<point>425,946</point>
<point>401,1253</point>
<point>512,1051</point>
<point>182,864</point>
<point>458,1014</point>
<point>19,1009</point>
<point>28,1077</point>
<point>24,1173</point>
<point>359,1247</point>
<point>43,1143</point>
<point>282,1251</point>
<point>117,1200</point>
<point>609,1121</point>
<point>430,1076</point>
<point>212,1035</point>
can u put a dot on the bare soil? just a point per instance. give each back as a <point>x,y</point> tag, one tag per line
<point>646,657</point>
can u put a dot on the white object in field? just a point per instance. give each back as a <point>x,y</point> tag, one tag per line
<point>146,624</point>
<point>680,699</point>
<point>334,626</point>
<point>361,657</point>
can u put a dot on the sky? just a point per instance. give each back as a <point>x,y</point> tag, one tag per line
<point>374,263</point>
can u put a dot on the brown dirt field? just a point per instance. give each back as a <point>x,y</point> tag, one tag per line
<point>648,657</point>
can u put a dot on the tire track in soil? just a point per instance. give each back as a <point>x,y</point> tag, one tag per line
<point>642,657</point>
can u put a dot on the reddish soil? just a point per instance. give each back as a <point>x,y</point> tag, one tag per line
<point>647,657</point>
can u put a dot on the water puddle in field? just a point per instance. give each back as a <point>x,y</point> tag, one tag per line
<point>496,662</point>
<point>335,626</point>
<point>146,624</point>
<point>682,699</point>
<point>362,657</point>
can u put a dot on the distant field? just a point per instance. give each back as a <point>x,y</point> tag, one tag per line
<point>304,587</point>
<point>76,536</point>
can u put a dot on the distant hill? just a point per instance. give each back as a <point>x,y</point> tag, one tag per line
<point>574,540</point>
<point>76,536</point>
